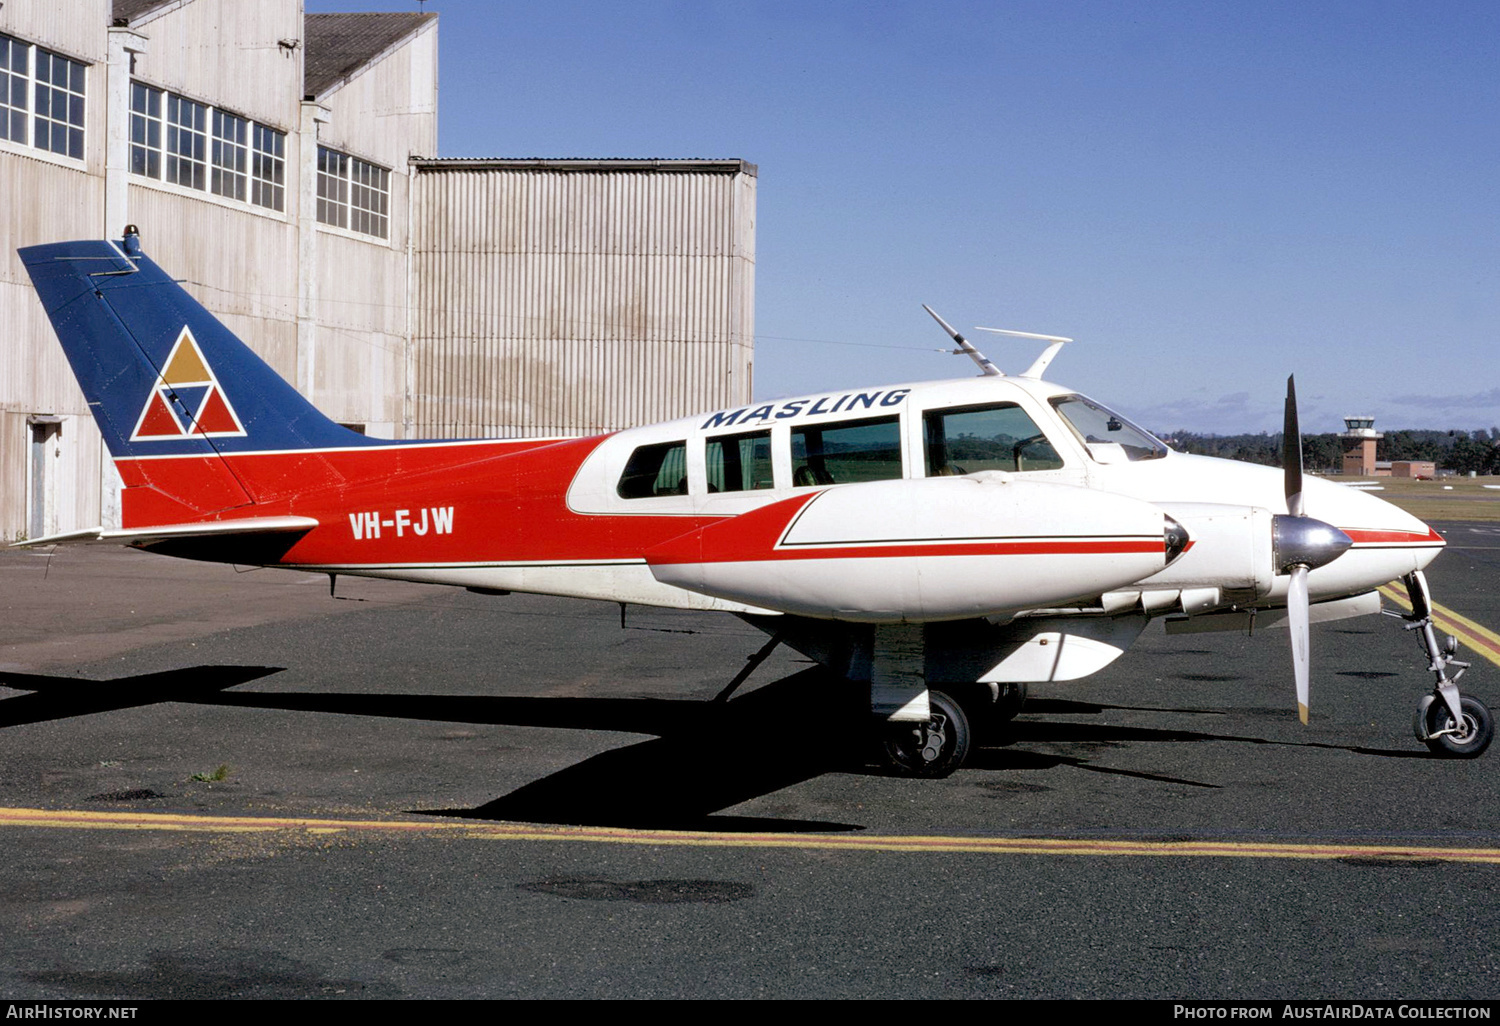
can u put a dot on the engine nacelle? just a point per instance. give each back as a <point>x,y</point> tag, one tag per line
<point>922,549</point>
<point>1231,551</point>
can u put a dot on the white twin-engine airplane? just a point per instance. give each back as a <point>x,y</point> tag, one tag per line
<point>948,542</point>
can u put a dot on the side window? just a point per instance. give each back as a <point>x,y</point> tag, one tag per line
<point>655,470</point>
<point>974,438</point>
<point>846,452</point>
<point>739,463</point>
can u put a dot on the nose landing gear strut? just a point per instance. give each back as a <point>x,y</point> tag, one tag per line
<point>1452,725</point>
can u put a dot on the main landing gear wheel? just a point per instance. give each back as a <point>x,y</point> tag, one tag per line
<point>1008,702</point>
<point>990,707</point>
<point>1468,740</point>
<point>934,748</point>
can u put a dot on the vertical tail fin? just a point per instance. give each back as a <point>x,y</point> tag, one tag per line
<point>164,378</point>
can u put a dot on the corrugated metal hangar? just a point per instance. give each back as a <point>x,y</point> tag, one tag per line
<point>279,163</point>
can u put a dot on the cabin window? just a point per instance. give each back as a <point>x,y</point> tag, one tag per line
<point>48,87</point>
<point>655,470</point>
<point>739,463</point>
<point>1098,427</point>
<point>1000,436</point>
<point>846,452</point>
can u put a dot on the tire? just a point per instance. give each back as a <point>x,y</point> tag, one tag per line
<point>1478,732</point>
<point>1009,702</point>
<point>932,749</point>
<point>989,707</point>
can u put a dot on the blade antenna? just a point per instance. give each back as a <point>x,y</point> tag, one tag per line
<point>988,368</point>
<point>1040,364</point>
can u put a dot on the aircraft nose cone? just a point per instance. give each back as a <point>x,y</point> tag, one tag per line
<point>1303,541</point>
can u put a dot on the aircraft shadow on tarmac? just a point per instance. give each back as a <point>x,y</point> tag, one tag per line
<point>57,698</point>
<point>705,757</point>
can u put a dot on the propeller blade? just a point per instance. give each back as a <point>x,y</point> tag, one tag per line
<point>1298,621</point>
<point>1416,589</point>
<point>1291,451</point>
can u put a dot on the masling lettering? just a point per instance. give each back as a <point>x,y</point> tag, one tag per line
<point>800,407</point>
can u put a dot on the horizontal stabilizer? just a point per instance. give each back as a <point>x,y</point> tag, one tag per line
<point>146,536</point>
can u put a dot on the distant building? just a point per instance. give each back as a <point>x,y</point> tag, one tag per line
<point>1425,469</point>
<point>280,164</point>
<point>1359,437</point>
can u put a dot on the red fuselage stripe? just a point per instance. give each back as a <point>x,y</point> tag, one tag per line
<point>901,551</point>
<point>1369,537</point>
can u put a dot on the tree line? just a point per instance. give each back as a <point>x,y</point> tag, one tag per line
<point>1458,451</point>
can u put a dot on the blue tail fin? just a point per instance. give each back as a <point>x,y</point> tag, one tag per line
<point>162,376</point>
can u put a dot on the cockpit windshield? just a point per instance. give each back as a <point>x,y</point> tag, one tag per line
<point>1099,428</point>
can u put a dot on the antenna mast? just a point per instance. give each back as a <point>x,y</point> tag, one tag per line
<point>964,347</point>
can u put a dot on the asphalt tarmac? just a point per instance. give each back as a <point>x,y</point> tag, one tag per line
<point>515,797</point>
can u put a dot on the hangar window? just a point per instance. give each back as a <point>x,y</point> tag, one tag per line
<point>230,149</point>
<point>1000,436</point>
<point>369,198</point>
<point>187,142</point>
<point>145,130</point>
<point>333,187</point>
<point>655,470</point>
<point>846,451</point>
<point>51,89</point>
<point>268,170</point>
<point>170,140</point>
<point>59,105</point>
<point>15,71</point>
<point>353,193</point>
<point>739,463</point>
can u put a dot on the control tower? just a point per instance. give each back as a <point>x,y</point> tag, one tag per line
<point>1359,437</point>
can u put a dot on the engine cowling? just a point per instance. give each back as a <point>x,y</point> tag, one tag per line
<point>924,549</point>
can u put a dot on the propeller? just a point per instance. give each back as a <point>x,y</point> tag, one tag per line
<point>1300,545</point>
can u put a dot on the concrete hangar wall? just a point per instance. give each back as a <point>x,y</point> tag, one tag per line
<point>279,165</point>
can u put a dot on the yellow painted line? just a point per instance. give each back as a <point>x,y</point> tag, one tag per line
<point>181,822</point>
<point>1481,639</point>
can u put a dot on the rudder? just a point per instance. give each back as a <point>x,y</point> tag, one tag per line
<point>164,378</point>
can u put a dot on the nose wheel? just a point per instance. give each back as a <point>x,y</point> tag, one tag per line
<point>1449,724</point>
<point>1463,738</point>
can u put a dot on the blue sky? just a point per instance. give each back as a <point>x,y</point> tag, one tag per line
<point>1208,196</point>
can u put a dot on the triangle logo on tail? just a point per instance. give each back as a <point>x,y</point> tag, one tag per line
<point>187,400</point>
